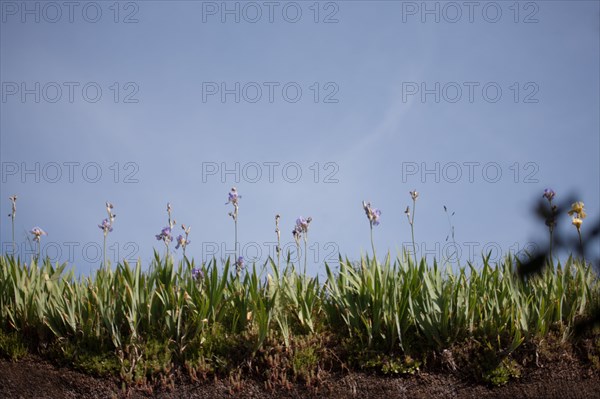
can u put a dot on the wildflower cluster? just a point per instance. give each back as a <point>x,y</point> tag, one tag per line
<point>411,219</point>
<point>301,227</point>
<point>107,227</point>
<point>197,274</point>
<point>578,213</point>
<point>12,215</point>
<point>301,230</point>
<point>233,199</point>
<point>549,194</point>
<point>13,200</point>
<point>37,233</point>
<point>107,224</point>
<point>278,247</point>
<point>165,233</point>
<point>183,241</point>
<point>373,214</point>
<point>239,264</point>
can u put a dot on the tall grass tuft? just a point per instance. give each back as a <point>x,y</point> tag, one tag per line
<point>208,314</point>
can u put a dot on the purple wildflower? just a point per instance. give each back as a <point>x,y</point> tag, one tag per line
<point>13,199</point>
<point>233,197</point>
<point>376,215</point>
<point>239,263</point>
<point>37,233</point>
<point>302,224</point>
<point>106,226</point>
<point>297,233</point>
<point>165,235</point>
<point>182,242</point>
<point>373,214</point>
<point>197,273</point>
<point>549,194</point>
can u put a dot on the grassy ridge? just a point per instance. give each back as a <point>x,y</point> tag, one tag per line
<point>390,316</point>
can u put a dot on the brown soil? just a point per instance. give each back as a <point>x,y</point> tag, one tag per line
<point>564,378</point>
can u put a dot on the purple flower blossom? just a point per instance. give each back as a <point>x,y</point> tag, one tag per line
<point>37,233</point>
<point>376,215</point>
<point>233,197</point>
<point>549,194</point>
<point>302,224</point>
<point>239,263</point>
<point>106,226</point>
<point>165,235</point>
<point>301,227</point>
<point>197,273</point>
<point>297,233</point>
<point>13,199</point>
<point>373,214</point>
<point>182,242</point>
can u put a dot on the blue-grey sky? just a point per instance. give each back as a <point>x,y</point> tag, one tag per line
<point>308,108</point>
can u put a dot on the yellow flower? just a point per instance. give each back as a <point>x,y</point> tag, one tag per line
<point>577,222</point>
<point>577,208</point>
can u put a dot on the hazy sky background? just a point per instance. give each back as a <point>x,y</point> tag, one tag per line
<point>317,105</point>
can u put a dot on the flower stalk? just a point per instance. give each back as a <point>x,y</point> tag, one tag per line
<point>107,227</point>
<point>411,220</point>
<point>549,194</point>
<point>182,241</point>
<point>37,234</point>
<point>233,199</point>
<point>373,214</point>
<point>301,231</point>
<point>165,233</point>
<point>12,215</point>
<point>578,213</point>
<point>278,248</point>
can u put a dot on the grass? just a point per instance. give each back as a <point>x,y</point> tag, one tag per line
<point>393,316</point>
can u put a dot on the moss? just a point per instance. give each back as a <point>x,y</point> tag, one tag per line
<point>304,362</point>
<point>501,374</point>
<point>214,352</point>
<point>102,365</point>
<point>392,365</point>
<point>12,346</point>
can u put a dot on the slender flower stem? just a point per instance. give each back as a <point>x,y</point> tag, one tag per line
<point>581,244</point>
<point>236,238</point>
<point>549,194</point>
<point>552,243</point>
<point>278,249</point>
<point>412,230</point>
<point>104,253</point>
<point>278,257</point>
<point>298,252</point>
<point>13,215</point>
<point>578,213</point>
<point>233,199</point>
<point>13,234</point>
<point>372,243</point>
<point>305,251</point>
<point>373,214</point>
